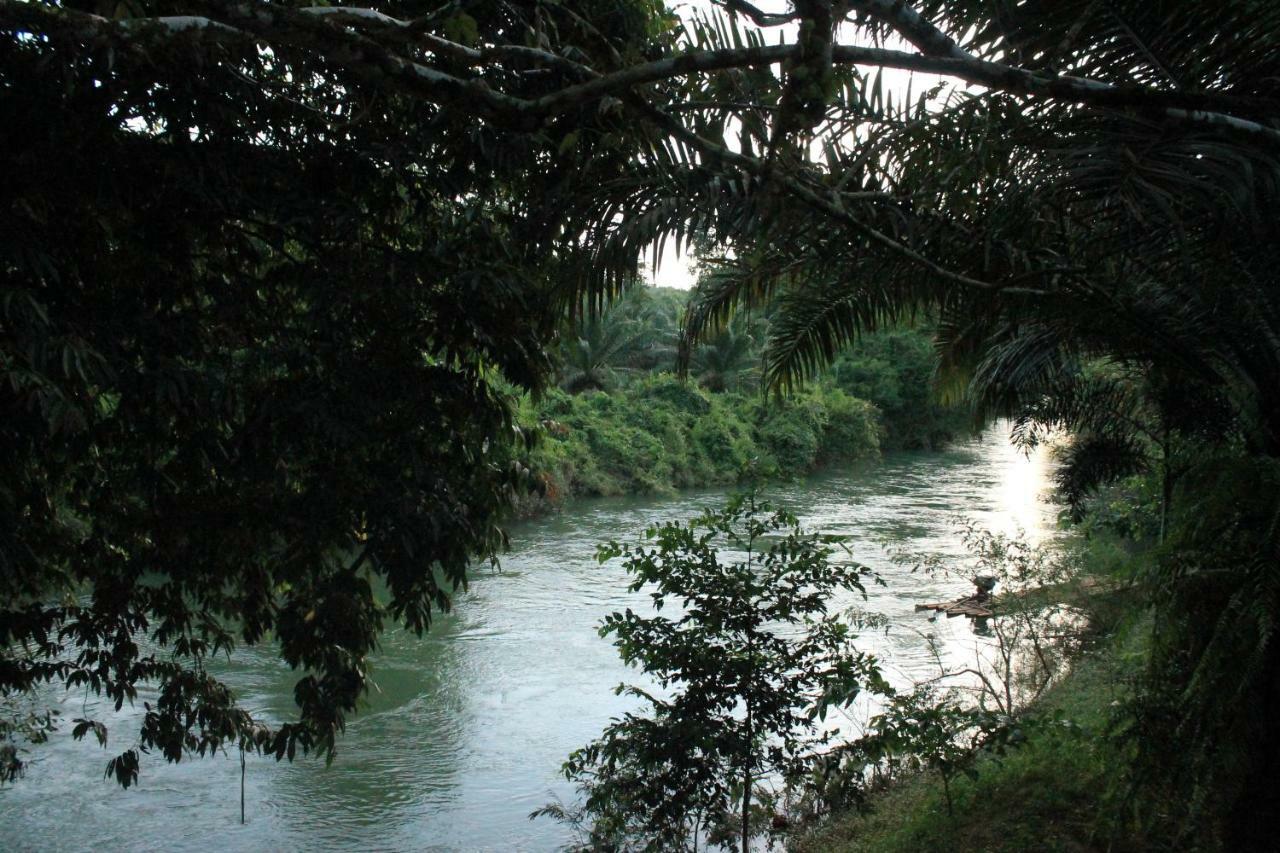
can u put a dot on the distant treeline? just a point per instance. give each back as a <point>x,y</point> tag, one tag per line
<point>621,422</point>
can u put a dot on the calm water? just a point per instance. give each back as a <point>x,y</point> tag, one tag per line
<point>470,726</point>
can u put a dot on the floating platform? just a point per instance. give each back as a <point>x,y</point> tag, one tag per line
<point>975,607</point>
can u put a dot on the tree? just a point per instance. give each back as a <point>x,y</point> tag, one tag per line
<point>597,349</point>
<point>631,335</point>
<point>1023,647</point>
<point>895,369</point>
<point>922,729</point>
<point>745,674</point>
<point>951,721</point>
<point>256,314</point>
<point>727,361</point>
<point>1104,270</point>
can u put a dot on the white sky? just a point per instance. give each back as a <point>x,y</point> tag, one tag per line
<point>676,271</point>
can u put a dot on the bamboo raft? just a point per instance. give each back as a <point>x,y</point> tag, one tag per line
<point>976,606</point>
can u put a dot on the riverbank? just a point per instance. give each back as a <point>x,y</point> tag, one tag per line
<point>1058,790</point>
<point>620,423</point>
<point>661,435</point>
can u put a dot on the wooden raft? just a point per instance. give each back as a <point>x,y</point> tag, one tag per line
<point>976,607</point>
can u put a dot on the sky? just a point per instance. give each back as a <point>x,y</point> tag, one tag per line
<point>676,271</point>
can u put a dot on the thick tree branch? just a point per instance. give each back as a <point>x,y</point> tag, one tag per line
<point>758,16</point>
<point>355,14</point>
<point>371,60</point>
<point>908,23</point>
<point>1198,107</point>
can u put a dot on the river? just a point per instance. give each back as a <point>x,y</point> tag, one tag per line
<point>468,729</point>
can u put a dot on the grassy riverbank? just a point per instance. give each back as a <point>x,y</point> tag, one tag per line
<point>1058,791</point>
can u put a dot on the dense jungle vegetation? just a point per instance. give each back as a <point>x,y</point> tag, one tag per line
<point>275,275</point>
<point>620,421</point>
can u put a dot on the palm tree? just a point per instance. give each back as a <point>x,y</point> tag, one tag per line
<point>728,361</point>
<point>598,349</point>
<point>635,334</point>
<point>1053,241</point>
<point>1107,194</point>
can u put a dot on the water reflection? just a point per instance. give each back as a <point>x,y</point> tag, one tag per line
<point>1025,484</point>
<point>468,730</point>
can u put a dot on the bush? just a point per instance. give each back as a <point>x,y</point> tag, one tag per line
<point>751,660</point>
<point>661,434</point>
<point>894,370</point>
<point>723,441</point>
<point>791,438</point>
<point>852,429</point>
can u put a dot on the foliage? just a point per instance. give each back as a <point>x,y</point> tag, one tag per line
<point>22,723</point>
<point>744,672</point>
<point>255,310</point>
<point>729,361</point>
<point>1128,509</point>
<point>894,370</point>
<point>1045,779</point>
<point>848,428</point>
<point>1104,271</point>
<point>964,715</point>
<point>1197,726</point>
<point>923,730</point>
<point>1025,644</point>
<point>1048,794</point>
<point>264,260</point>
<point>658,434</point>
<point>635,333</point>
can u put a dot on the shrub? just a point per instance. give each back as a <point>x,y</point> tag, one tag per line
<point>751,661</point>
<point>660,434</point>
<point>852,430</point>
<point>790,435</point>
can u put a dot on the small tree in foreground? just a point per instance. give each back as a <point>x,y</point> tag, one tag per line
<point>747,670</point>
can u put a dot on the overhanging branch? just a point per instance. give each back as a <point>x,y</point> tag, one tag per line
<point>829,206</point>
<point>758,16</point>
<point>368,58</point>
<point>909,24</point>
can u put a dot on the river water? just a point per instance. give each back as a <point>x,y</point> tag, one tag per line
<point>470,725</point>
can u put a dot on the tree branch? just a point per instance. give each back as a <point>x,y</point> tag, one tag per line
<point>1194,107</point>
<point>908,23</point>
<point>365,58</point>
<point>758,16</point>
<point>368,59</point>
<point>828,206</point>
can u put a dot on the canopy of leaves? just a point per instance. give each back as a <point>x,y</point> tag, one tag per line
<point>254,310</point>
